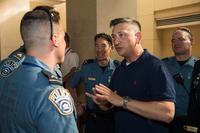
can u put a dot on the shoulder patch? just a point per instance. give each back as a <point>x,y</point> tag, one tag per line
<point>88,61</point>
<point>7,67</point>
<point>61,99</point>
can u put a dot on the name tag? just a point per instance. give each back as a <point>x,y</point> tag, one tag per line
<point>92,78</point>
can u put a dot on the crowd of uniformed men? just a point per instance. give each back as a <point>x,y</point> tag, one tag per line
<point>140,94</point>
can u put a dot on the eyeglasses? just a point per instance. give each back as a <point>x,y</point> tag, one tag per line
<point>120,35</point>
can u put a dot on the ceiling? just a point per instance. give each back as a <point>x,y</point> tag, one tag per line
<point>49,2</point>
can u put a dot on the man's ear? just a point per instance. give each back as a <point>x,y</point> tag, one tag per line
<point>138,37</point>
<point>112,47</point>
<point>54,40</point>
<point>192,40</point>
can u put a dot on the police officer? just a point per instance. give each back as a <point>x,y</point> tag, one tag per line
<point>32,98</point>
<point>181,66</point>
<point>193,118</point>
<point>96,71</point>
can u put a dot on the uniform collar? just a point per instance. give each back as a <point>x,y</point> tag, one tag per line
<point>141,58</point>
<point>190,62</point>
<point>32,61</point>
<point>110,65</point>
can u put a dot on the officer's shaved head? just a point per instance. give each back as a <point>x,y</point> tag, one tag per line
<point>37,25</point>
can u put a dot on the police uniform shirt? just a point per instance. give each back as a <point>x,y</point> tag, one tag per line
<point>33,100</point>
<point>182,95</point>
<point>91,74</point>
<point>71,60</point>
<point>193,118</point>
<point>145,79</point>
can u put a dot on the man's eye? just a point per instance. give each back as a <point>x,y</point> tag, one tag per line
<point>121,35</point>
<point>113,37</point>
<point>181,39</point>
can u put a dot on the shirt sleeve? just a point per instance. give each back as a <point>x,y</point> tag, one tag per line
<point>161,83</point>
<point>74,60</point>
<point>71,60</point>
<point>76,78</point>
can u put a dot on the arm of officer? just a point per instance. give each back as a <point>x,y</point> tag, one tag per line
<point>54,114</point>
<point>74,84</point>
<point>74,64</point>
<point>68,75</point>
<point>79,106</point>
<point>155,110</point>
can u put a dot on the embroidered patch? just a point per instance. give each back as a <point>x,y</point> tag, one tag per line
<point>61,99</point>
<point>8,67</point>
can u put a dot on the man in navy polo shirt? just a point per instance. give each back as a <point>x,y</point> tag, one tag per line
<point>141,88</point>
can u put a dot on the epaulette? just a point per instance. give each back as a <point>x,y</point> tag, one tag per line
<point>116,63</point>
<point>19,53</point>
<point>9,65</point>
<point>52,78</point>
<point>88,61</point>
<point>165,59</point>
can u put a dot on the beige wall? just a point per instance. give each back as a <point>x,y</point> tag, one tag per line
<point>60,7</point>
<point>85,20</point>
<point>95,18</point>
<point>158,41</point>
<point>11,15</point>
<point>145,9</point>
<point>166,41</point>
<point>12,12</point>
<point>82,26</point>
<point>164,4</point>
<point>110,9</point>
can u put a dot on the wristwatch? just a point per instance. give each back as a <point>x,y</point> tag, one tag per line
<point>126,99</point>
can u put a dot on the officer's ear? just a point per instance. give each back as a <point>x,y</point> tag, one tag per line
<point>54,40</point>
